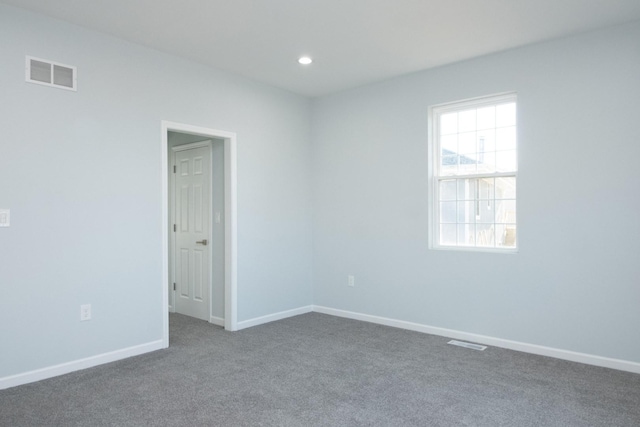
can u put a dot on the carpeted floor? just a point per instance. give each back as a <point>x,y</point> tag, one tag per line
<point>319,370</point>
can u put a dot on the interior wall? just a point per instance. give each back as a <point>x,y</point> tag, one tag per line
<point>81,173</point>
<point>573,285</point>
<point>217,208</point>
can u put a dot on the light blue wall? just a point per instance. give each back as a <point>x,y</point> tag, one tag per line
<point>575,283</point>
<point>81,173</point>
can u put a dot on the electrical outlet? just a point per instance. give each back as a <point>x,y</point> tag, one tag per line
<point>4,217</point>
<point>85,312</point>
<point>351,280</point>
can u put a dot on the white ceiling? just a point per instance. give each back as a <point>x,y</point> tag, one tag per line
<point>352,42</point>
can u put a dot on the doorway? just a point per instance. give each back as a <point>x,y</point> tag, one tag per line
<point>194,143</point>
<point>196,241</point>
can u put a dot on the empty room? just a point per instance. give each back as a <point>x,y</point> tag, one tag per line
<point>320,213</point>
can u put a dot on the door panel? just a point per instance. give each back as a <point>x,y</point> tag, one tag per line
<point>193,220</point>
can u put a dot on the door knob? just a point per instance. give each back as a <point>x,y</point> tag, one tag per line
<point>202,242</point>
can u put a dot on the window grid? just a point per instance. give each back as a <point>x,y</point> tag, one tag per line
<point>478,209</point>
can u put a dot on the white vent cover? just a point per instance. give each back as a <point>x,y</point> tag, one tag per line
<point>49,73</point>
<point>468,345</point>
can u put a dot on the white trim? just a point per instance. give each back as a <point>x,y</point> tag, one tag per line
<point>275,316</point>
<point>433,170</point>
<point>219,321</point>
<point>230,221</point>
<point>231,233</point>
<point>432,181</point>
<point>64,368</point>
<point>76,365</point>
<point>589,359</point>
<point>192,145</point>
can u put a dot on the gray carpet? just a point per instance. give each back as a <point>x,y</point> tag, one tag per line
<point>319,370</point>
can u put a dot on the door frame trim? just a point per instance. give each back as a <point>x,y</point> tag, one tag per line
<point>230,221</point>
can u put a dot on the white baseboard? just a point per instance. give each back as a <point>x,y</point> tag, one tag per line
<point>273,317</point>
<point>589,359</point>
<point>219,321</point>
<point>76,365</point>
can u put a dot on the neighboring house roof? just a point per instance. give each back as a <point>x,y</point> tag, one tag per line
<point>448,158</point>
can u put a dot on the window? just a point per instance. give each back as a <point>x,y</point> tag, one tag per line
<point>473,172</point>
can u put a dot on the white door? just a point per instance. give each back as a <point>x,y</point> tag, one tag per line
<point>192,219</point>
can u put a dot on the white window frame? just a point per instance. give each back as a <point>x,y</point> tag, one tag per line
<point>434,173</point>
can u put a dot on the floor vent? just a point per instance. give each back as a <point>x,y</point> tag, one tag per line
<point>49,73</point>
<point>468,345</point>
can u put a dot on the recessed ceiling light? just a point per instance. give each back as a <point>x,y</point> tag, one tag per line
<point>305,60</point>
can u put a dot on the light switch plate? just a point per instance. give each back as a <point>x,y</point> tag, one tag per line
<point>4,217</point>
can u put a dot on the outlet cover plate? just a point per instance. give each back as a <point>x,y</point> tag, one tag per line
<point>85,312</point>
<point>5,217</point>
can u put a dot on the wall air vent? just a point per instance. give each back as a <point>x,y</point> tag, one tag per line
<point>49,73</point>
<point>468,345</point>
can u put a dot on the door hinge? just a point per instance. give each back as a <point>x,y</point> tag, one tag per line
<point>174,286</point>
<point>174,228</point>
<point>174,168</point>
